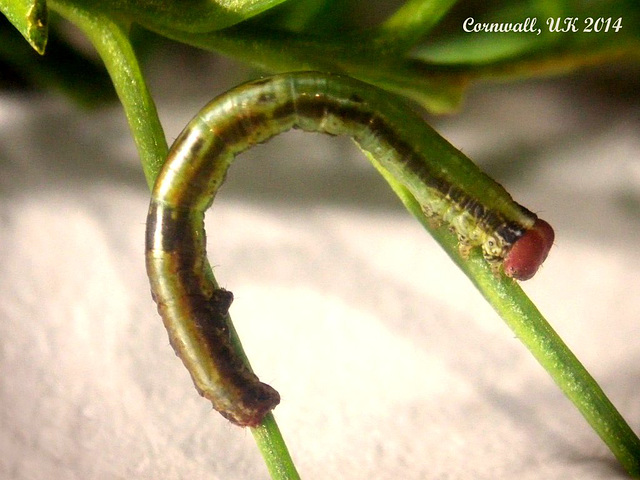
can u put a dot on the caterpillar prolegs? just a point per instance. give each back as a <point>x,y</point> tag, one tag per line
<point>450,188</point>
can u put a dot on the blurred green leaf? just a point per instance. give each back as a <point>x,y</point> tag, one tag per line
<point>419,51</point>
<point>30,18</point>
<point>64,68</point>
<point>183,15</point>
<point>458,47</point>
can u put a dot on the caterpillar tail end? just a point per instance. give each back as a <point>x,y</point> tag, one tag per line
<point>256,402</point>
<point>529,251</point>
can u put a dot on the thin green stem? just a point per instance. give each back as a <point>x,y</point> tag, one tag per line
<point>274,450</point>
<point>111,40</point>
<point>526,321</point>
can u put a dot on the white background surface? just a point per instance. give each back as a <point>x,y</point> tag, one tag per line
<point>389,364</point>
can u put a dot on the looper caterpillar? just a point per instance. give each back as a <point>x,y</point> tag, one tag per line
<point>452,190</point>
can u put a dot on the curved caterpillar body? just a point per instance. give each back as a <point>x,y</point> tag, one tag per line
<point>450,189</point>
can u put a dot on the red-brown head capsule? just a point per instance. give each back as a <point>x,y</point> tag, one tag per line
<point>529,251</point>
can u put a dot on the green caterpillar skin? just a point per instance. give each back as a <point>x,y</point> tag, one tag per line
<point>452,190</point>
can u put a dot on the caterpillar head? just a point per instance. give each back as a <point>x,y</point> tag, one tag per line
<point>529,251</point>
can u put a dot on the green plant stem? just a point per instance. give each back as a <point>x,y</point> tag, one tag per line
<point>111,40</point>
<point>112,43</point>
<point>526,321</point>
<point>274,450</point>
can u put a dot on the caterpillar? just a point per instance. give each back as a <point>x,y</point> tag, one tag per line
<point>449,187</point>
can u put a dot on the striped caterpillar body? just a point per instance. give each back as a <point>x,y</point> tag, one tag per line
<point>449,187</point>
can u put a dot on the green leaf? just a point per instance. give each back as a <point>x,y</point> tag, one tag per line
<point>30,17</point>
<point>483,48</point>
<point>437,90</point>
<point>185,15</point>
<point>415,19</point>
<point>64,68</point>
